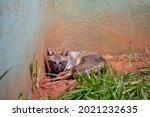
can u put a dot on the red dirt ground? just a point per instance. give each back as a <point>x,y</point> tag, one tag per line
<point>54,90</point>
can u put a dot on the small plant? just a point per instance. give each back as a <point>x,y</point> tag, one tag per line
<point>47,98</point>
<point>34,73</point>
<point>2,76</point>
<point>110,85</point>
<point>130,55</point>
<point>22,96</point>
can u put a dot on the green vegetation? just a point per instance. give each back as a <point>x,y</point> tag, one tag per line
<point>107,84</point>
<point>22,96</point>
<point>2,76</point>
<point>130,54</point>
<point>47,98</point>
<point>34,73</point>
<point>110,85</point>
<point>34,65</point>
<point>145,70</point>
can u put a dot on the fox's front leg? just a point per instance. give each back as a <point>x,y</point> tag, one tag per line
<point>63,76</point>
<point>62,73</point>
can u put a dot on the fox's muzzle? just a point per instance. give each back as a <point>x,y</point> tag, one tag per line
<point>57,69</point>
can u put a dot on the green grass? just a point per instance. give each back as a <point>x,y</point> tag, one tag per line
<point>34,69</point>
<point>130,55</point>
<point>110,85</point>
<point>34,66</point>
<point>4,74</point>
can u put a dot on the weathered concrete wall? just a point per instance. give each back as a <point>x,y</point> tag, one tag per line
<point>20,26</point>
<point>30,26</point>
<point>106,26</point>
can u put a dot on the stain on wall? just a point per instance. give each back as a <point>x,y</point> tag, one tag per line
<point>28,27</point>
<point>102,25</point>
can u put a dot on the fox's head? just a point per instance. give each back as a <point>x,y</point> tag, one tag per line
<point>57,61</point>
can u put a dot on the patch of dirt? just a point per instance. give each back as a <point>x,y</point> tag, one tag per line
<point>56,89</point>
<point>123,64</point>
<point>52,90</point>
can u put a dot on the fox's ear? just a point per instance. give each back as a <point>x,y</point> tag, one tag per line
<point>49,52</point>
<point>65,53</point>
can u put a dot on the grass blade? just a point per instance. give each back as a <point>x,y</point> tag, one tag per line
<point>2,76</point>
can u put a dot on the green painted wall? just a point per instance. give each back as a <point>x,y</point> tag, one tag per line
<point>20,26</point>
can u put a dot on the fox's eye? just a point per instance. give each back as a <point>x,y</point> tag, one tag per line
<point>62,62</point>
<point>52,62</point>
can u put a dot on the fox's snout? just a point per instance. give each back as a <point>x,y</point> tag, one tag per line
<point>57,69</point>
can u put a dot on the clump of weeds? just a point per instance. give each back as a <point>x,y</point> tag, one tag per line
<point>110,85</point>
<point>34,73</point>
